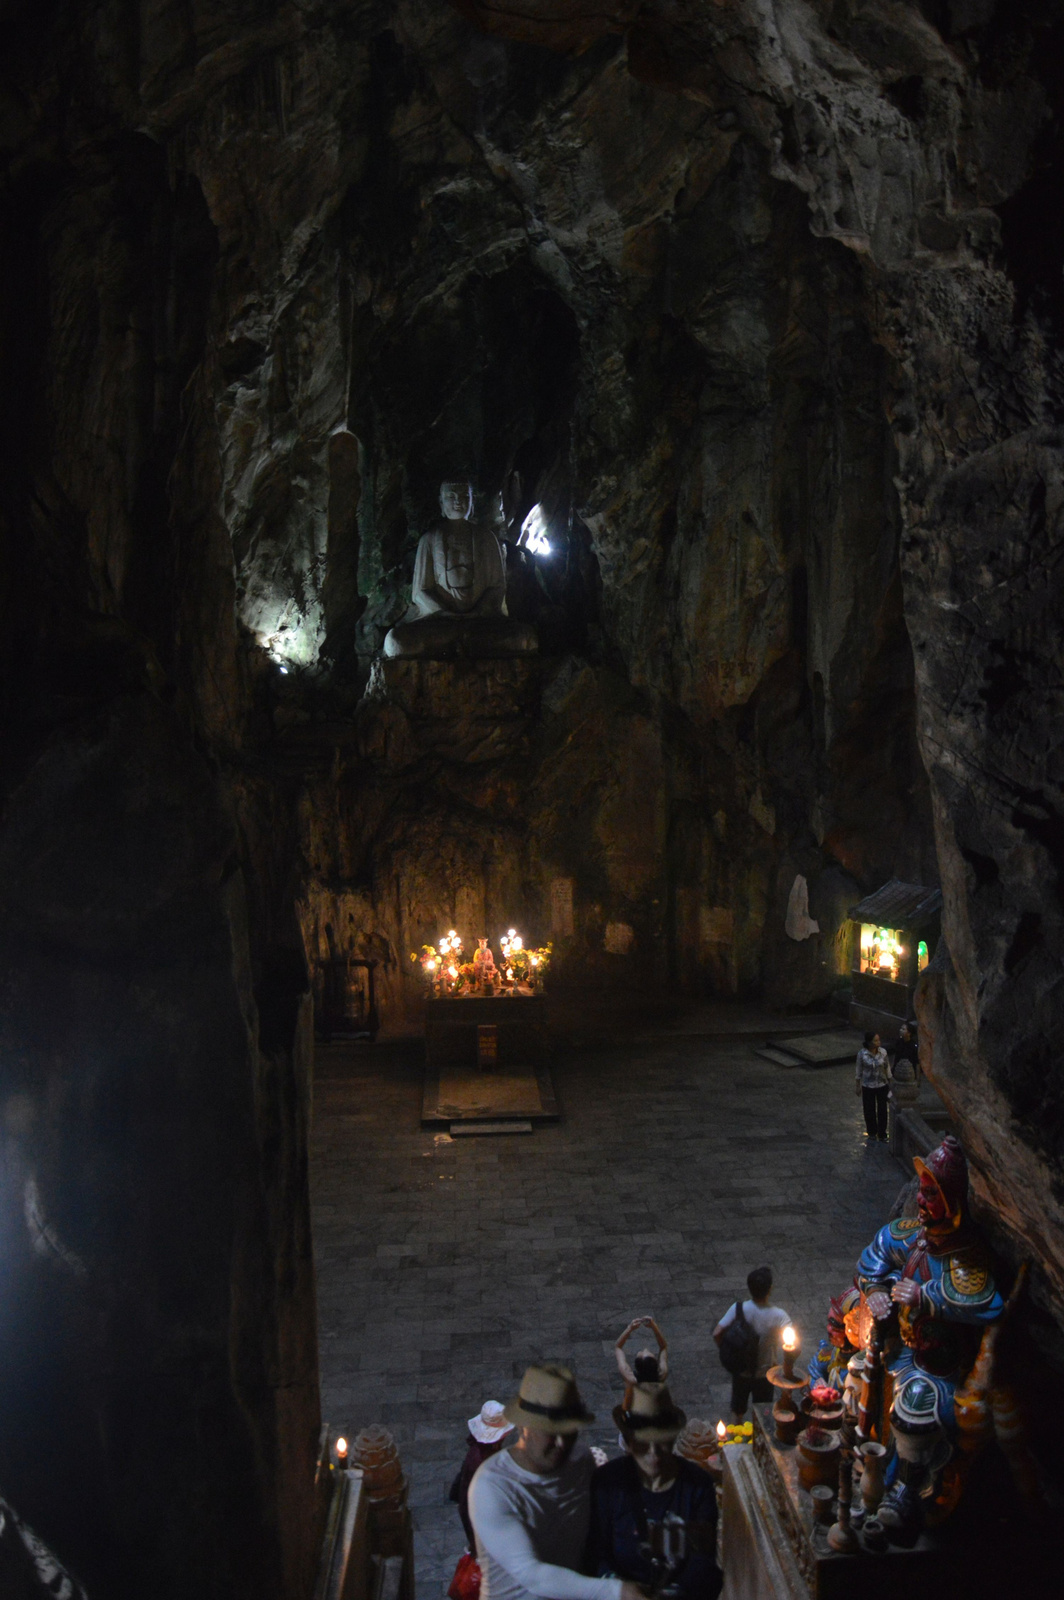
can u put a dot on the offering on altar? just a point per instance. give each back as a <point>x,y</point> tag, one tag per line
<point>484,967</point>
<point>443,967</point>
<point>524,969</point>
<point>448,976</point>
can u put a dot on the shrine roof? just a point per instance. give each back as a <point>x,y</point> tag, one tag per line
<point>899,905</point>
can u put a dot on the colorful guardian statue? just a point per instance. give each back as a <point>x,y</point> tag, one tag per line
<point>935,1270</point>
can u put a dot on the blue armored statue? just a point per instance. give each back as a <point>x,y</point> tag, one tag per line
<point>935,1270</point>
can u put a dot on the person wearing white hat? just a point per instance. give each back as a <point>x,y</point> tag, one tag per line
<point>487,1430</point>
<point>530,1504</point>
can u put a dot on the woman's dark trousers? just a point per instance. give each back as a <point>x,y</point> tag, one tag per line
<point>875,1111</point>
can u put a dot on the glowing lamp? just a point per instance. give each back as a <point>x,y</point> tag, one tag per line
<point>341,1452</point>
<point>790,1338</point>
<point>534,532</point>
<point>722,1432</point>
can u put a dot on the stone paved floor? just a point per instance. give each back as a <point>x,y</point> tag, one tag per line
<point>682,1161</point>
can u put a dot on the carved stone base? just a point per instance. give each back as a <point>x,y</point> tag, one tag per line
<point>446,638</point>
<point>468,710</point>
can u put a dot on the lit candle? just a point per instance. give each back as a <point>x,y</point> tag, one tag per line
<point>341,1452</point>
<point>722,1435</point>
<point>790,1338</point>
<point>790,1350</point>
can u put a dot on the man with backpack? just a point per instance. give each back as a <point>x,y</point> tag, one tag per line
<point>747,1337</point>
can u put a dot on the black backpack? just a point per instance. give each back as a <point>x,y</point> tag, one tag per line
<point>738,1345</point>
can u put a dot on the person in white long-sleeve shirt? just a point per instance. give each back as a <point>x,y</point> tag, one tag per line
<point>530,1505</point>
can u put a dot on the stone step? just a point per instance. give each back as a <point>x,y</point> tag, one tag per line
<point>778,1057</point>
<point>463,1130</point>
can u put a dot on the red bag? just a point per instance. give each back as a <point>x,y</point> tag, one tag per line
<point>465,1585</point>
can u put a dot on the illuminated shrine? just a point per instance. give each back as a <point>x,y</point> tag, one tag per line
<point>898,930</point>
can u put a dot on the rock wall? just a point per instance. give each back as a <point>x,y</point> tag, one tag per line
<point>764,310</point>
<point>157,1337</point>
<point>926,141</point>
<point>590,293</point>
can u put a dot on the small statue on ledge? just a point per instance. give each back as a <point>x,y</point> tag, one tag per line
<point>934,1270</point>
<point>458,596</point>
<point>844,1339</point>
<point>484,966</point>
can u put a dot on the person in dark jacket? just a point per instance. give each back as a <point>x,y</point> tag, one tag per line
<point>486,1434</point>
<point>907,1049</point>
<point>643,1487</point>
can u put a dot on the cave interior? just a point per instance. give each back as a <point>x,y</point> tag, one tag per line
<point>756,315</point>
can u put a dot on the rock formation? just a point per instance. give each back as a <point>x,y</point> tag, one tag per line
<point>763,309</point>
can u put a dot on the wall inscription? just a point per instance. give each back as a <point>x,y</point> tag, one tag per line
<point>561,907</point>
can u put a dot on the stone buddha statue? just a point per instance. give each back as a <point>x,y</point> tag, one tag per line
<point>458,598</point>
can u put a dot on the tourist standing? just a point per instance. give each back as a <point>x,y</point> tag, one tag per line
<point>486,1433</point>
<point>907,1049</point>
<point>647,1367</point>
<point>764,1323</point>
<point>530,1504</point>
<point>644,1486</point>
<point>873,1081</point>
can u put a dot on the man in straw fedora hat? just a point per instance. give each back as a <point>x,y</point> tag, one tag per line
<point>530,1504</point>
<point>648,1484</point>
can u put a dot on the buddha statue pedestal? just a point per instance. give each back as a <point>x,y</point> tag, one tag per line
<point>469,710</point>
<point>441,637</point>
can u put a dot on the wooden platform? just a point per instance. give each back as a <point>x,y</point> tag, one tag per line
<point>518,1086</point>
<point>467,1095</point>
<point>520,1024</point>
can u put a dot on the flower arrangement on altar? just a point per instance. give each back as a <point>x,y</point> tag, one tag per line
<point>521,966</point>
<point>521,971</point>
<point>735,1432</point>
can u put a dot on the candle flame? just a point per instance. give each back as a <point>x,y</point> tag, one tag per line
<point>341,1447</point>
<point>790,1337</point>
<point>722,1432</point>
